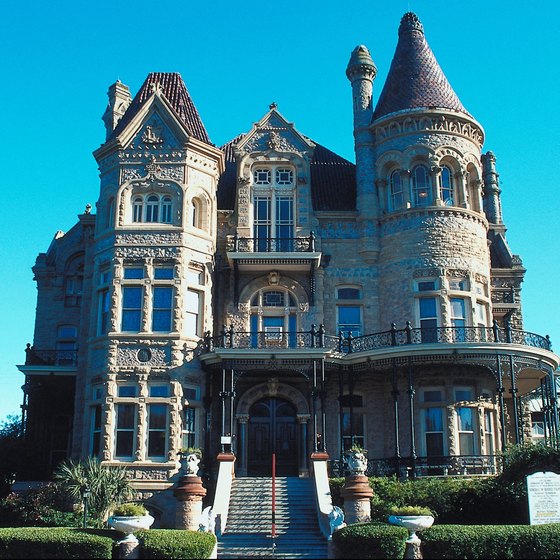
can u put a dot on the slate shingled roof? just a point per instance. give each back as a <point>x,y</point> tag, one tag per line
<point>176,93</point>
<point>415,79</point>
<point>333,180</point>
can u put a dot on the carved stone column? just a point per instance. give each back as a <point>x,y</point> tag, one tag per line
<point>357,494</point>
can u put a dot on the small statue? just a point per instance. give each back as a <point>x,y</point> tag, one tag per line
<point>207,521</point>
<point>190,459</point>
<point>336,519</point>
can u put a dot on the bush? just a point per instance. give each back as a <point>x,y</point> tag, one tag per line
<point>370,540</point>
<point>130,510</point>
<point>40,542</point>
<point>491,541</point>
<point>176,543</point>
<point>520,460</point>
<point>46,506</point>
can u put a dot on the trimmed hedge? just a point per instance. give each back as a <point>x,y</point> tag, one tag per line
<point>491,541</point>
<point>370,540</point>
<point>53,542</point>
<point>175,543</point>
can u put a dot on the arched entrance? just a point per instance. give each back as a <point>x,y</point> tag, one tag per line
<point>272,429</point>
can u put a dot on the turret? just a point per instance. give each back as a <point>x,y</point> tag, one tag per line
<point>361,72</point>
<point>491,199</point>
<point>119,100</point>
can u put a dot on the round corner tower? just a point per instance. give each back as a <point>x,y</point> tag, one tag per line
<point>434,263</point>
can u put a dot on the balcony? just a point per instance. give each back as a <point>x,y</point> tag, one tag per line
<point>49,362</point>
<point>252,254</point>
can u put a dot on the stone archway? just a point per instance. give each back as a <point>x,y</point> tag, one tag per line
<point>272,417</point>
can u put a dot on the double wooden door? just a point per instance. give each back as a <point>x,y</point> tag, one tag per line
<point>272,429</point>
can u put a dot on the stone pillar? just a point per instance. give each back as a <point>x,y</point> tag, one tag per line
<point>189,493</point>
<point>357,494</point>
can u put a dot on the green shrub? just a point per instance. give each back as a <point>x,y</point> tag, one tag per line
<point>410,510</point>
<point>520,460</point>
<point>130,509</point>
<point>491,541</point>
<point>370,540</point>
<point>176,543</point>
<point>58,542</point>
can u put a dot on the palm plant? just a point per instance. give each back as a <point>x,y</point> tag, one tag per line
<point>108,486</point>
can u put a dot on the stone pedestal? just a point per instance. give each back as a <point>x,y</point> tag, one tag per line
<point>189,493</point>
<point>357,494</point>
<point>413,550</point>
<point>129,550</point>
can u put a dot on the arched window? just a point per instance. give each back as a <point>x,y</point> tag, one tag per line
<point>420,186</point>
<point>110,222</point>
<point>273,318</point>
<point>152,207</point>
<point>137,207</point>
<point>166,210</point>
<point>196,213</point>
<point>397,194</point>
<point>446,186</point>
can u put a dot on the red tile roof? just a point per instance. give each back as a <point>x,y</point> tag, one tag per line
<point>176,93</point>
<point>415,79</point>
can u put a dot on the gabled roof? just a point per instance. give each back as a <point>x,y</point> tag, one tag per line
<point>415,79</point>
<point>333,179</point>
<point>175,91</point>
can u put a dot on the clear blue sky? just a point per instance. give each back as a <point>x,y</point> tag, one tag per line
<point>58,59</point>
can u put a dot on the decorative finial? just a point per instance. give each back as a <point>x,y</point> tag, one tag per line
<point>410,22</point>
<point>88,208</point>
<point>156,88</point>
<point>273,106</point>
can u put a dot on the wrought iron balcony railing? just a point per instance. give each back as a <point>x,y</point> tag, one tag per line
<point>444,465</point>
<point>41,357</point>
<point>237,244</point>
<point>346,344</point>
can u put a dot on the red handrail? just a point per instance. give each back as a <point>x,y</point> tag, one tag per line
<point>273,501</point>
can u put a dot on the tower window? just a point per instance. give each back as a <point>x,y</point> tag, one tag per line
<point>420,186</point>
<point>397,194</point>
<point>446,186</point>
<point>152,208</point>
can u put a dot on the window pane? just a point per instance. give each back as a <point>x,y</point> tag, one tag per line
<point>349,315</point>
<point>158,416</point>
<point>434,444</point>
<point>427,307</point>
<point>127,391</point>
<point>433,420</point>
<point>159,391</point>
<point>132,297</point>
<point>348,293</point>
<point>133,273</point>
<point>124,444</point>
<point>163,273</point>
<point>432,395</point>
<point>426,286</point>
<point>273,299</point>
<point>465,419</point>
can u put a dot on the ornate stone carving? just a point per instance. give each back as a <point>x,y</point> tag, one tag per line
<point>128,357</point>
<point>153,135</point>
<point>141,252</point>
<point>130,173</point>
<point>148,239</point>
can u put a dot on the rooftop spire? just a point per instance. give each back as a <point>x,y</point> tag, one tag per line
<point>415,79</point>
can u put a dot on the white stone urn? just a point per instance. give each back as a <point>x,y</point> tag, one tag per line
<point>128,524</point>
<point>190,462</point>
<point>356,461</point>
<point>413,523</point>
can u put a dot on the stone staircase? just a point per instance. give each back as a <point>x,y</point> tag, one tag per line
<point>249,524</point>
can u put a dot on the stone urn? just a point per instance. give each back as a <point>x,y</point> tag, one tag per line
<point>128,524</point>
<point>356,461</point>
<point>413,523</point>
<point>190,461</point>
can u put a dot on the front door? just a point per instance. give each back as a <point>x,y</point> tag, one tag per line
<point>272,429</point>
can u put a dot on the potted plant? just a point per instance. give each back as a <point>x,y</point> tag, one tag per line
<point>413,518</point>
<point>130,517</point>
<point>190,459</point>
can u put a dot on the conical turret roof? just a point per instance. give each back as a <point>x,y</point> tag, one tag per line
<point>415,79</point>
<point>175,91</point>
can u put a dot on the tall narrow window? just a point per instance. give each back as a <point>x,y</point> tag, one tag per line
<point>446,186</point>
<point>349,311</point>
<point>397,194</point>
<point>284,223</point>
<point>465,427</point>
<point>189,426</point>
<point>157,430</point>
<point>428,319</point>
<point>95,446</point>
<point>262,223</point>
<point>152,207</point>
<point>162,309</point>
<point>131,308</point>
<point>420,186</point>
<point>104,310</point>
<point>458,319</point>
<point>166,210</point>
<point>489,432</point>
<point>126,426</point>
<point>352,421</point>
<point>137,208</point>
<point>192,308</point>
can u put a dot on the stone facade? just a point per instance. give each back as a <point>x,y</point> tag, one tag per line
<point>271,297</point>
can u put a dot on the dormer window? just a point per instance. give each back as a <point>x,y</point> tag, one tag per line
<point>284,176</point>
<point>262,176</point>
